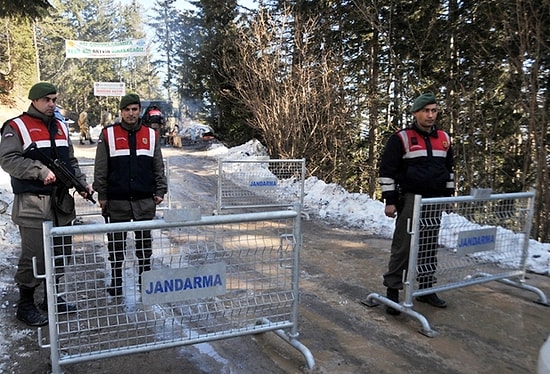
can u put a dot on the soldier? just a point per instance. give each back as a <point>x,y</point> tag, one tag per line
<point>129,184</point>
<point>37,193</point>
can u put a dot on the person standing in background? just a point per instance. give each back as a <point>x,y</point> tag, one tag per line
<point>84,127</point>
<point>130,181</point>
<point>154,118</point>
<point>416,161</point>
<point>106,118</point>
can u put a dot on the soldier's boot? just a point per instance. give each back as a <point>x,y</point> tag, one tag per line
<point>63,306</point>
<point>431,298</point>
<point>393,295</point>
<point>27,311</point>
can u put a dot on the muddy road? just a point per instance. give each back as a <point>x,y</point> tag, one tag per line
<point>490,328</point>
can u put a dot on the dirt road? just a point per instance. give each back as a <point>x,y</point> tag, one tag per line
<point>490,328</point>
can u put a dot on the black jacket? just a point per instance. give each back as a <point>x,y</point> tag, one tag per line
<point>419,162</point>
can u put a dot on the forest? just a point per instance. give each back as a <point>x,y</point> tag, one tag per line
<point>323,80</point>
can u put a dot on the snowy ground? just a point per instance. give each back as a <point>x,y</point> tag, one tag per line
<point>333,203</point>
<point>329,202</point>
<point>326,201</point>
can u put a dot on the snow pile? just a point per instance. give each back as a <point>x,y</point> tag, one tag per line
<point>334,204</point>
<point>329,202</point>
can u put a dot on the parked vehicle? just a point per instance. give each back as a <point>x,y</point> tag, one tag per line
<point>168,112</point>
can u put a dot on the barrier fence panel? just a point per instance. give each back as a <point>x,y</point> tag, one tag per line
<point>467,240</point>
<point>86,208</point>
<point>211,278</point>
<point>252,184</point>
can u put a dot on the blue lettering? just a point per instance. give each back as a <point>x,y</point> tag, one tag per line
<point>169,285</point>
<point>476,240</point>
<point>207,281</point>
<point>263,183</point>
<point>197,282</point>
<point>179,284</point>
<point>188,284</point>
<point>158,287</point>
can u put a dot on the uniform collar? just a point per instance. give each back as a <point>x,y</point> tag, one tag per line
<point>131,128</point>
<point>432,132</point>
<point>33,112</point>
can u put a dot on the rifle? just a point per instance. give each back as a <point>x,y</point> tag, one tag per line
<point>61,172</point>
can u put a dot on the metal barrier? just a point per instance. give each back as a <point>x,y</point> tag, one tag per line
<point>212,277</point>
<point>462,241</point>
<point>85,208</point>
<point>253,184</point>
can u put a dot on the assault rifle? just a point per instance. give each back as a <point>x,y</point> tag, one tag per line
<point>61,172</point>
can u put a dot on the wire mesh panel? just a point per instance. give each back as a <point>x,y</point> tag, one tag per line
<point>86,208</point>
<point>249,184</point>
<point>460,241</point>
<point>209,279</point>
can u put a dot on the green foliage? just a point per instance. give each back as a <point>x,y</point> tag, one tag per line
<point>24,9</point>
<point>96,21</point>
<point>324,80</point>
<point>218,20</point>
<point>23,69</point>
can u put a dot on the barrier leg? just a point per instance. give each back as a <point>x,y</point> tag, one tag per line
<point>295,343</point>
<point>542,297</point>
<point>375,299</point>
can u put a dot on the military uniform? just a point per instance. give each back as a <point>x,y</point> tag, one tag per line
<point>129,173</point>
<point>33,200</point>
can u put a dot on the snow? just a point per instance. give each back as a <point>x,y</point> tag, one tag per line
<point>326,201</point>
<point>331,202</point>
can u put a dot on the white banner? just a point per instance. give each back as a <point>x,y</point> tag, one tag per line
<point>128,48</point>
<point>109,88</point>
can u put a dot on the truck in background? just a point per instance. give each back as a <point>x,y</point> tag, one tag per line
<point>171,118</point>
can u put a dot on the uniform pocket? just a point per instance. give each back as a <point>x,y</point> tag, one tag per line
<point>146,209</point>
<point>32,207</point>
